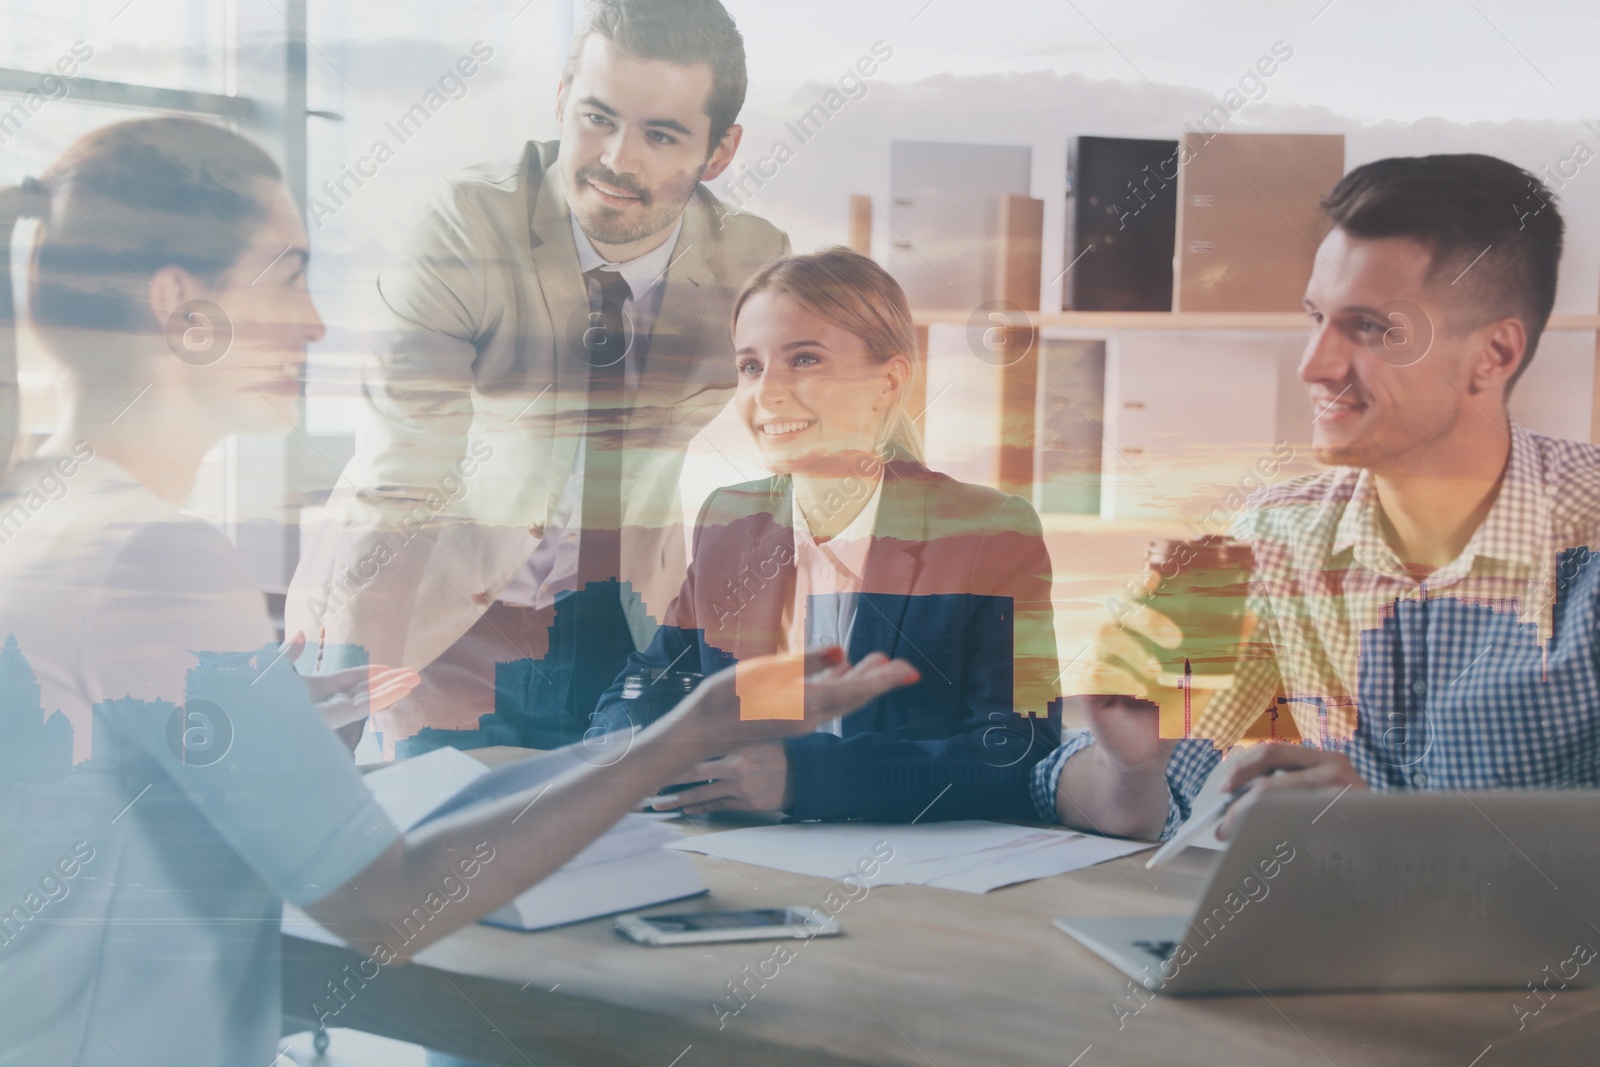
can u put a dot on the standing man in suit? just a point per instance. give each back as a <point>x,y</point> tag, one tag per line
<point>509,524</point>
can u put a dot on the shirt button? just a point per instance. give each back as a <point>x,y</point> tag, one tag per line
<point>535,529</point>
<point>482,599</point>
<point>1419,688</point>
<point>572,538</point>
<point>1419,779</point>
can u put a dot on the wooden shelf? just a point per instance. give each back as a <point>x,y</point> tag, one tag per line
<point>1190,320</point>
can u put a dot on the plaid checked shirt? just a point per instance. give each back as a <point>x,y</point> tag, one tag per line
<point>1486,674</point>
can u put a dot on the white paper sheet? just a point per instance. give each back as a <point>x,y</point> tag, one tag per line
<point>411,788</point>
<point>622,869</point>
<point>971,856</point>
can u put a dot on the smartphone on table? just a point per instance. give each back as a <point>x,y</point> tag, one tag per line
<point>754,924</point>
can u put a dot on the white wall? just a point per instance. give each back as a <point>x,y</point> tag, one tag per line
<point>1515,80</point>
<point>1431,76</point>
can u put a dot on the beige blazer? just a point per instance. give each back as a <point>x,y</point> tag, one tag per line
<point>475,407</point>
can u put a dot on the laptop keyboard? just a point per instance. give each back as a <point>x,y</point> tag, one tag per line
<point>1161,950</point>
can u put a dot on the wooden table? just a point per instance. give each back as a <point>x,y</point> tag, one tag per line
<point>924,977</point>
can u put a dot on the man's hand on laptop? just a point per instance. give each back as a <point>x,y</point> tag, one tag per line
<point>1272,767</point>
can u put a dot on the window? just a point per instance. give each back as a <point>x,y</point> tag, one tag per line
<point>66,72</point>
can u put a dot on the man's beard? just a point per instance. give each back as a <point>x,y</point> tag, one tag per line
<point>1336,456</point>
<point>608,225</point>
<point>1390,447</point>
<point>1362,452</point>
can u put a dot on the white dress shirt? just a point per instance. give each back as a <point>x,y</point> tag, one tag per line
<point>553,567</point>
<point>827,580</point>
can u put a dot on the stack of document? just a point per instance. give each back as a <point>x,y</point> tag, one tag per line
<point>626,868</point>
<point>972,856</point>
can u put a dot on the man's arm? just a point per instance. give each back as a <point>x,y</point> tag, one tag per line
<point>1113,781</point>
<point>674,646</point>
<point>358,581</point>
<point>1121,777</point>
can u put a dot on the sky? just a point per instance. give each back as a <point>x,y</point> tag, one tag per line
<point>1426,75</point>
<point>1371,60</point>
<point>1513,78</point>
<point>1461,60</point>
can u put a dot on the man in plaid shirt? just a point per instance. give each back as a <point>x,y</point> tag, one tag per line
<point>1426,608</point>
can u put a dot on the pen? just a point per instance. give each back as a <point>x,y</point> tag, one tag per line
<point>1197,826</point>
<point>668,791</point>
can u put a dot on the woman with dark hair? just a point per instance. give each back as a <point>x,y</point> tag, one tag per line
<point>147,846</point>
<point>856,542</point>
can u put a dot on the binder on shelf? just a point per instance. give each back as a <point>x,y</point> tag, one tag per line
<point>1070,438</point>
<point>1248,218</point>
<point>1124,193</point>
<point>944,207</point>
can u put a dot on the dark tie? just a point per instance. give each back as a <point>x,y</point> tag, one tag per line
<point>605,344</point>
<point>598,626</point>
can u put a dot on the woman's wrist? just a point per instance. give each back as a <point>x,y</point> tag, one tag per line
<point>685,732</point>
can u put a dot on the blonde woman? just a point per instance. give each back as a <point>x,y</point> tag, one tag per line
<point>854,541</point>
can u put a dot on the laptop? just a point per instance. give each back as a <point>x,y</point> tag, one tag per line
<point>1382,891</point>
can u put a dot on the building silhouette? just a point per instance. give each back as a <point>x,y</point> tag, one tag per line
<point>534,698</point>
<point>33,747</point>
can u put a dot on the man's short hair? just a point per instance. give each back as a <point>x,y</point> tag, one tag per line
<point>680,32</point>
<point>1470,211</point>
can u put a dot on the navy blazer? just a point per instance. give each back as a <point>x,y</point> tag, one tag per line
<point>957,582</point>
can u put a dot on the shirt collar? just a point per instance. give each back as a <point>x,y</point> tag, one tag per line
<point>642,273</point>
<point>1518,525</point>
<point>860,527</point>
<point>1358,523</point>
<point>1515,530</point>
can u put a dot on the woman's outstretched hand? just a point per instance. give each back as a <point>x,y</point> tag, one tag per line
<point>770,697</point>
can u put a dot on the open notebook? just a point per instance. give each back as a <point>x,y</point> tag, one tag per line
<point>625,869</point>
